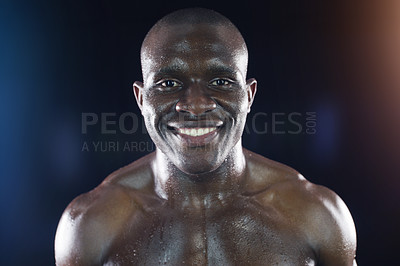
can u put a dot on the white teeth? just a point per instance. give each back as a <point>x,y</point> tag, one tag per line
<point>195,132</point>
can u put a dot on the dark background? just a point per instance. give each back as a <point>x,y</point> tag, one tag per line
<point>59,59</point>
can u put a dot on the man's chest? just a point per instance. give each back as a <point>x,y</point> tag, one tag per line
<point>238,235</point>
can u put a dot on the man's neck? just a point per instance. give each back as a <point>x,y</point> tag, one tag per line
<point>199,191</point>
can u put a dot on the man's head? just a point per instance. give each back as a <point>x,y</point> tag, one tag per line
<point>194,97</point>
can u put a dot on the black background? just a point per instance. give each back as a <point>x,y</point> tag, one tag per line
<point>61,59</point>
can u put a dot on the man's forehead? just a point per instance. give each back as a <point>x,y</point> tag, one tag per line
<point>188,37</point>
<point>213,65</point>
<point>180,45</point>
<point>168,63</point>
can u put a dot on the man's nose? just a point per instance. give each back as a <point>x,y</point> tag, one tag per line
<point>196,101</point>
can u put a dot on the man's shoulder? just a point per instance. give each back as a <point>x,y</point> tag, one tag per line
<point>88,224</point>
<point>278,185</point>
<point>316,211</point>
<point>298,197</point>
<point>123,191</point>
<point>265,173</point>
<point>125,188</point>
<point>136,175</point>
<point>279,181</point>
<point>319,214</point>
<point>92,220</point>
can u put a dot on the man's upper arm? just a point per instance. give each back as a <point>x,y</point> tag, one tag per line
<point>90,224</point>
<point>76,242</point>
<point>333,231</point>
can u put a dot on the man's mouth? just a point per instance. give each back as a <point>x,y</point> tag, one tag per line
<point>197,136</point>
<point>195,132</point>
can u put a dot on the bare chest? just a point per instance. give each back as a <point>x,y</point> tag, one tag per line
<point>244,234</point>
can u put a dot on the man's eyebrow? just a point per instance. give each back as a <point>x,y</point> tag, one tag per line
<point>222,70</point>
<point>218,66</point>
<point>175,67</point>
<point>170,70</point>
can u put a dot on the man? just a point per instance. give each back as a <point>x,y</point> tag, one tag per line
<point>202,199</point>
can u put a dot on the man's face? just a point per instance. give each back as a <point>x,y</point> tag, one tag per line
<point>194,97</point>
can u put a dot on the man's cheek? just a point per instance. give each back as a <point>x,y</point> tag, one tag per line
<point>238,102</point>
<point>244,104</point>
<point>149,118</point>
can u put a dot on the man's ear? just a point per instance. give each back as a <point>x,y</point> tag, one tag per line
<point>137,90</point>
<point>251,85</point>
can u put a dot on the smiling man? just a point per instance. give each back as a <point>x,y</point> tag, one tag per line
<point>201,198</point>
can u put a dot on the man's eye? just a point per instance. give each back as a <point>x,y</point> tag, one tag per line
<point>169,83</point>
<point>220,82</point>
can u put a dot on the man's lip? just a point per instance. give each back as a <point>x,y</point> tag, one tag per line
<point>196,133</point>
<point>184,131</point>
<point>197,140</point>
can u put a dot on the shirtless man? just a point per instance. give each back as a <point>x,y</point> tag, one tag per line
<point>201,198</point>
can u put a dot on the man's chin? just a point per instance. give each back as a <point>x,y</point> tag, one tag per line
<point>197,170</point>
